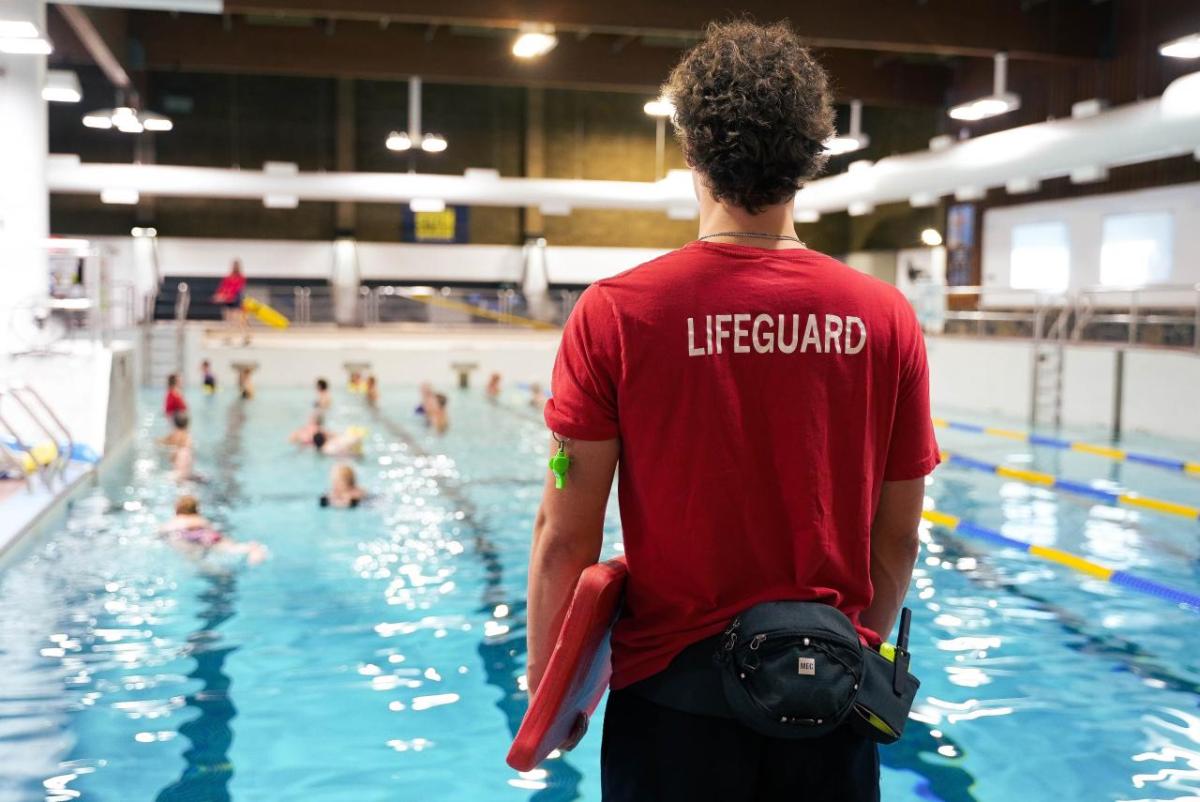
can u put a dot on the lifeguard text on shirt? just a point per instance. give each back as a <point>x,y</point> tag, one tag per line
<point>768,333</point>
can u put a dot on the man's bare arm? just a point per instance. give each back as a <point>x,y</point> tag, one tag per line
<point>894,547</point>
<point>567,536</point>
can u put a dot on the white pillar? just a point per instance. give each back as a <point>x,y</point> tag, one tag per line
<point>24,199</point>
<point>344,282</point>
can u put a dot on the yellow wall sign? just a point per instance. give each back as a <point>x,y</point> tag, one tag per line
<point>434,226</point>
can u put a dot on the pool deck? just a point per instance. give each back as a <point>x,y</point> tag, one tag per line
<point>25,506</point>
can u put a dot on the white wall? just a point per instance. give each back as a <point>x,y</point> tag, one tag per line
<point>1089,374</point>
<point>1162,393</point>
<point>880,264</point>
<point>579,265</point>
<point>1084,218</point>
<point>986,376</point>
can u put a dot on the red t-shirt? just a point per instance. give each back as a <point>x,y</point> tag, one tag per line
<point>174,402</point>
<point>761,397</point>
<point>230,288</point>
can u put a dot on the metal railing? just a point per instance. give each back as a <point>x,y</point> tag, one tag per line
<point>1164,315</point>
<point>46,424</point>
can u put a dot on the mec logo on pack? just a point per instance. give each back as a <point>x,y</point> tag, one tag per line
<point>808,666</point>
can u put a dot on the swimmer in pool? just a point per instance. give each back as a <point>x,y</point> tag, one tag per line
<point>304,435</point>
<point>343,489</point>
<point>492,391</point>
<point>209,380</point>
<point>537,396</point>
<point>245,383</point>
<point>183,464</point>
<point>372,391</point>
<point>324,399</point>
<point>435,412</point>
<point>179,437</point>
<point>347,444</point>
<point>194,535</point>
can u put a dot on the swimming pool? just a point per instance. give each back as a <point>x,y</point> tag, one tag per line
<point>377,655</point>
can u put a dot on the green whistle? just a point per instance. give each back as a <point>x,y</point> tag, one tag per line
<point>560,463</point>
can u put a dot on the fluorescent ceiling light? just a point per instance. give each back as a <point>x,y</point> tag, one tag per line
<point>852,140</point>
<point>923,200</point>
<point>1000,101</point>
<point>433,143</point>
<point>123,197</point>
<point>1183,47</point>
<point>534,41</point>
<point>139,232</point>
<point>427,205</point>
<point>660,107</point>
<point>128,120</point>
<point>806,216</point>
<point>98,120</point>
<point>860,208</point>
<point>156,122</point>
<point>26,47</point>
<point>398,140</point>
<point>931,237</point>
<point>969,193</point>
<point>17,29</point>
<point>62,86</point>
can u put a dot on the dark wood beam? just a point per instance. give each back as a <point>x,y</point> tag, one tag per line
<point>357,49</point>
<point>1055,30</point>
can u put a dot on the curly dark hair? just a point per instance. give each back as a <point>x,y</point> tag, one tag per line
<point>752,110</point>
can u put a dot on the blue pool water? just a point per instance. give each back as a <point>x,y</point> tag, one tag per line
<point>378,654</point>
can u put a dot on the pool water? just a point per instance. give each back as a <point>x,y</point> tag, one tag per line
<point>378,654</point>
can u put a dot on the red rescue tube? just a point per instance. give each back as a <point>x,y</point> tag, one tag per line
<point>579,669</point>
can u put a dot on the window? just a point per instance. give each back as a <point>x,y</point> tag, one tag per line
<point>1040,257</point>
<point>1136,249</point>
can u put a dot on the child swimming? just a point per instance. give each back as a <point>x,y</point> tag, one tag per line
<point>179,436</point>
<point>343,490</point>
<point>194,535</point>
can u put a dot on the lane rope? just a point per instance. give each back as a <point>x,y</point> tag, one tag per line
<point>1074,487</point>
<point>1138,584</point>
<point>1108,452</point>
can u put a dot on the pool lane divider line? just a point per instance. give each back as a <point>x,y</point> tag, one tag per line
<point>1115,576</point>
<point>1077,488</point>
<point>1108,452</point>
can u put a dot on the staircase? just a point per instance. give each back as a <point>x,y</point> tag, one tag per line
<point>164,352</point>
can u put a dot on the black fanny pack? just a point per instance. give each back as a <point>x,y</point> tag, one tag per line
<point>792,670</point>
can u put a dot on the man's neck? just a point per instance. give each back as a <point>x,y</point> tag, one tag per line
<point>774,221</point>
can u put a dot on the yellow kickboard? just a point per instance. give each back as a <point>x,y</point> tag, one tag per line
<point>265,313</point>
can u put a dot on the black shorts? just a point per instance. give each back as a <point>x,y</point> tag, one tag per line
<point>655,753</point>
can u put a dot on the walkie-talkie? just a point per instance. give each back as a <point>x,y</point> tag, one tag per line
<point>900,665</point>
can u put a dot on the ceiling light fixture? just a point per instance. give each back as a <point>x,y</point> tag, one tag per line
<point>139,232</point>
<point>931,237</point>
<point>128,120</point>
<point>399,141</point>
<point>433,143</point>
<point>659,107</point>
<point>62,86</point>
<point>1183,47</point>
<point>534,41</point>
<point>1000,101</point>
<point>852,140</point>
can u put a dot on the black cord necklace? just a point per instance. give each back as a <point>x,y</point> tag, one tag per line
<point>754,235</point>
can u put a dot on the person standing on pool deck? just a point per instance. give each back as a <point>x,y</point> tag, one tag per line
<point>230,294</point>
<point>769,410</point>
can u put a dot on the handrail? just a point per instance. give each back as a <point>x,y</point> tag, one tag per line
<point>1077,309</point>
<point>57,421</point>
